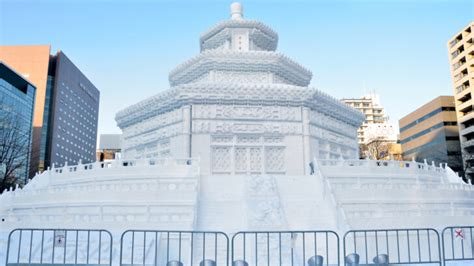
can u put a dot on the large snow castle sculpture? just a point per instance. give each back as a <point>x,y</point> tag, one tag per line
<point>239,142</point>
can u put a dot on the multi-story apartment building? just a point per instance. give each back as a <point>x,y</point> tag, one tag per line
<point>373,111</point>
<point>431,132</point>
<point>461,58</point>
<point>17,100</point>
<point>66,110</point>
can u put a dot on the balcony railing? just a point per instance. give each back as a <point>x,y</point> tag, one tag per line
<point>458,65</point>
<point>461,88</point>
<point>468,143</point>
<point>467,130</point>
<point>455,53</point>
<point>454,42</point>
<point>460,76</point>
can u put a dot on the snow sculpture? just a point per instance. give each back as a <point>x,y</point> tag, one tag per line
<point>242,108</point>
<point>248,127</point>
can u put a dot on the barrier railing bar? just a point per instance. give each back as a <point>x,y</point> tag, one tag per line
<point>268,249</point>
<point>215,245</point>
<point>156,248</point>
<point>203,246</point>
<point>88,245</point>
<point>429,244</point>
<point>65,247</point>
<point>192,248</point>
<point>408,241</point>
<point>366,250</point>
<point>168,246</point>
<point>31,243</point>
<point>179,247</point>
<point>327,248</point>
<point>42,243</point>
<point>419,247</point>
<point>279,244</point>
<point>398,245</point>
<point>19,249</point>
<point>77,247</point>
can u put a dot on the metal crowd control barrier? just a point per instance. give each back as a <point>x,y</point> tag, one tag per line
<point>392,246</point>
<point>59,247</point>
<point>458,244</point>
<point>313,248</point>
<point>174,248</point>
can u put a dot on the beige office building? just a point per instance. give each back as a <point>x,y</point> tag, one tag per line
<point>431,133</point>
<point>461,57</point>
<point>373,111</point>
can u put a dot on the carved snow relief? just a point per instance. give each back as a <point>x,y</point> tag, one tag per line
<point>221,159</point>
<point>252,154</point>
<point>275,159</point>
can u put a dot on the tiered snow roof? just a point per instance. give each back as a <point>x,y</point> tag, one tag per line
<point>260,34</point>
<point>238,64</point>
<point>236,61</point>
<point>245,94</point>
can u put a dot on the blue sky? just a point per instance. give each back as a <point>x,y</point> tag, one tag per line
<point>127,48</point>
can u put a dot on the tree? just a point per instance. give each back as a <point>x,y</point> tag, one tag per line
<point>468,158</point>
<point>377,149</point>
<point>14,147</point>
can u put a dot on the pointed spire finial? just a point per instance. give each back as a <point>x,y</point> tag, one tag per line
<point>236,10</point>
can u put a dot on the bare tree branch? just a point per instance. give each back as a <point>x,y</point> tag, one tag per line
<point>14,146</point>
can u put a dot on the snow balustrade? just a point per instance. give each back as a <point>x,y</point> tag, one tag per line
<point>169,162</point>
<point>394,172</point>
<point>417,246</point>
<point>74,174</point>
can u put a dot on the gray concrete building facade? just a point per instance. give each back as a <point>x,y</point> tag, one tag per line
<point>73,124</point>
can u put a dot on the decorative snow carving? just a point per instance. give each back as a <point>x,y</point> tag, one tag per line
<point>255,159</point>
<point>222,139</point>
<point>241,77</point>
<point>263,202</point>
<point>274,159</point>
<point>248,139</point>
<point>221,159</point>
<point>236,61</point>
<point>237,94</point>
<point>240,160</point>
<point>260,33</point>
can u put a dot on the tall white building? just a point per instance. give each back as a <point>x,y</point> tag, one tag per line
<point>374,113</point>
<point>461,60</point>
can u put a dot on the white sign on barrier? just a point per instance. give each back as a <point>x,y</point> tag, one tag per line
<point>60,238</point>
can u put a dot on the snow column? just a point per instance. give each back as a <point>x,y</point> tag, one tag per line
<point>187,130</point>
<point>306,140</point>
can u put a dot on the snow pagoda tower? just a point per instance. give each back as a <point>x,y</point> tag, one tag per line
<point>242,108</point>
